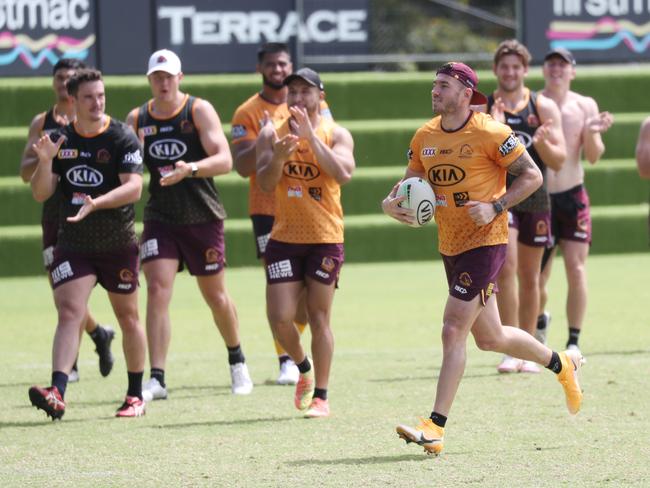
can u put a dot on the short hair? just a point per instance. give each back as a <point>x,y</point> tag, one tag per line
<point>512,46</point>
<point>85,75</point>
<point>68,63</point>
<point>271,48</point>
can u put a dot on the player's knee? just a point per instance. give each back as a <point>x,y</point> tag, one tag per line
<point>488,343</point>
<point>70,310</point>
<point>128,319</point>
<point>451,332</point>
<point>158,291</point>
<point>219,300</point>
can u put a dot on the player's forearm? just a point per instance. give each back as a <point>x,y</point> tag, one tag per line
<point>522,187</point>
<point>553,155</point>
<point>215,165</point>
<point>42,181</point>
<point>269,175</point>
<point>593,146</point>
<point>28,167</point>
<point>245,161</point>
<point>126,193</point>
<point>643,163</point>
<point>335,165</point>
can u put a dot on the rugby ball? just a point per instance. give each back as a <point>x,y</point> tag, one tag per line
<point>419,196</point>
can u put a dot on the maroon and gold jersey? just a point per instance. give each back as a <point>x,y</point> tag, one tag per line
<point>307,200</point>
<point>246,126</point>
<point>467,164</point>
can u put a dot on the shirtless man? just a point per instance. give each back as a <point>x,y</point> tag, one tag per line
<point>582,124</point>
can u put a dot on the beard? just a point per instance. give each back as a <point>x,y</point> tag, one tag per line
<point>270,84</point>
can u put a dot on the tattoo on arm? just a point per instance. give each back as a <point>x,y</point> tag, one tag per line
<point>521,164</point>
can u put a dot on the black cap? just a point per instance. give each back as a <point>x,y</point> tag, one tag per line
<point>561,52</point>
<point>306,74</point>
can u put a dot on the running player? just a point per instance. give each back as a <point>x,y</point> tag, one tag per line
<point>305,161</point>
<point>97,163</point>
<point>274,64</point>
<point>60,115</point>
<point>184,147</point>
<point>583,125</point>
<point>536,121</point>
<point>465,156</point>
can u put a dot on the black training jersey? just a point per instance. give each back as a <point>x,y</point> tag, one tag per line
<point>91,166</point>
<point>524,124</point>
<point>191,200</point>
<point>51,205</point>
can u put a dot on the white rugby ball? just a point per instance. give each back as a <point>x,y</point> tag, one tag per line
<point>419,196</point>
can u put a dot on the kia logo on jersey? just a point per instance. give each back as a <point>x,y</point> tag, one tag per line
<point>171,149</point>
<point>446,175</point>
<point>83,175</point>
<point>524,138</point>
<point>301,170</point>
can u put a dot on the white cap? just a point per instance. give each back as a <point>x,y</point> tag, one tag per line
<point>164,60</point>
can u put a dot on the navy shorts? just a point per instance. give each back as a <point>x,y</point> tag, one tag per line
<point>116,271</point>
<point>475,272</point>
<point>286,262</point>
<point>200,247</point>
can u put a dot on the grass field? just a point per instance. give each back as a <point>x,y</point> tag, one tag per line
<point>503,430</point>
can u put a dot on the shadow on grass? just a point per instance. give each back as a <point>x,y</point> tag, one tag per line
<point>47,421</point>
<point>356,461</point>
<point>16,385</point>
<point>221,422</point>
<point>399,379</point>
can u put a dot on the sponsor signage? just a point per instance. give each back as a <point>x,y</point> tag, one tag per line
<point>35,34</point>
<point>595,31</point>
<point>219,36</point>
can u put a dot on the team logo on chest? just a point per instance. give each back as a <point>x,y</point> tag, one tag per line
<point>301,170</point>
<point>83,175</point>
<point>446,175</point>
<point>171,149</point>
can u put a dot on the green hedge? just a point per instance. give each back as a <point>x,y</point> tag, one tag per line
<point>351,95</point>
<point>368,239</point>
<point>609,182</point>
<point>377,142</point>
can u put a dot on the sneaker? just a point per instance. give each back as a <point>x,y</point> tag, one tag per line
<point>153,390</point>
<point>529,367</point>
<point>49,400</point>
<point>574,347</point>
<point>304,390</point>
<point>568,378</point>
<point>509,364</point>
<point>288,373</point>
<point>241,380</point>
<point>542,334</point>
<point>318,408</point>
<point>73,377</point>
<point>426,434</point>
<point>132,407</point>
<point>103,350</point>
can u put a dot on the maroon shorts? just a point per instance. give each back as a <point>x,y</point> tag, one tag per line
<point>474,272</point>
<point>200,247</point>
<point>293,262</point>
<point>116,271</point>
<point>534,227</point>
<point>262,225</point>
<point>570,215</point>
<point>50,234</point>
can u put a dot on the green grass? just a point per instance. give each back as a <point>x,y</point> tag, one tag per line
<point>503,430</point>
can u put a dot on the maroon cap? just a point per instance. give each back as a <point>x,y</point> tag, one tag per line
<point>467,77</point>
